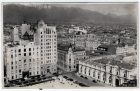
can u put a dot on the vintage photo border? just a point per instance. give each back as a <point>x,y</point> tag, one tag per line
<point>1,39</point>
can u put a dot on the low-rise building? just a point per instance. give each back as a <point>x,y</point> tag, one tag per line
<point>108,71</point>
<point>68,57</point>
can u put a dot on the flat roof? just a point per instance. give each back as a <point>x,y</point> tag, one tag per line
<point>65,47</point>
<point>112,62</point>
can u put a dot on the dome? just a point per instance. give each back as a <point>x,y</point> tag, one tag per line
<point>41,23</point>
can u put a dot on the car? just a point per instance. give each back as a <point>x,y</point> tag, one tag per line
<point>86,78</point>
<point>70,79</point>
<point>65,77</point>
<point>94,81</point>
<point>76,82</point>
<point>81,76</point>
<point>83,85</point>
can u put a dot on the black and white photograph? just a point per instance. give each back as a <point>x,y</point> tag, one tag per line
<point>69,45</point>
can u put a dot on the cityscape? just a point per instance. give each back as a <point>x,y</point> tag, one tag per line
<point>69,46</point>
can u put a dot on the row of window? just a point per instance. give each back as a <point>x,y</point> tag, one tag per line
<point>20,75</point>
<point>117,73</point>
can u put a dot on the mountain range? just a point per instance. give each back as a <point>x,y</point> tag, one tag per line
<point>17,14</point>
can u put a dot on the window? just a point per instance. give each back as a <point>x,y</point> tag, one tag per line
<point>30,73</point>
<point>89,72</point>
<point>24,54</point>
<point>12,77</point>
<point>29,54</point>
<point>19,50</point>
<point>104,77</point>
<point>29,49</point>
<point>110,79</point>
<point>24,50</point>
<point>19,70</point>
<point>11,56</point>
<point>30,60</point>
<point>94,73</point>
<point>85,70</point>
<point>125,73</point>
<point>24,60</point>
<point>98,75</point>
<point>11,62</point>
<point>12,67</point>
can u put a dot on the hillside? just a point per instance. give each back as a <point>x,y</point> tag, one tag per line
<point>16,14</point>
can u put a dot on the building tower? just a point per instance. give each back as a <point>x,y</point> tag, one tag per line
<point>46,38</point>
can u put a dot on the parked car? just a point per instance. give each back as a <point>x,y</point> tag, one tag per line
<point>83,85</point>
<point>94,81</point>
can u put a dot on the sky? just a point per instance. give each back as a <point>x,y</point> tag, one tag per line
<point>104,8</point>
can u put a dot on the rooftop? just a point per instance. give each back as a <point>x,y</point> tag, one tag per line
<point>65,47</point>
<point>113,62</point>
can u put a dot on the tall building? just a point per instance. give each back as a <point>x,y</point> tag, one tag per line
<point>46,38</point>
<point>33,58</point>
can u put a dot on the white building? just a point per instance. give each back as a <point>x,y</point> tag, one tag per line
<point>108,71</point>
<point>46,37</point>
<point>125,49</point>
<point>22,58</point>
<point>33,58</point>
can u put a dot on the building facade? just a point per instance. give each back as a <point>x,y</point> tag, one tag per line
<point>108,71</point>
<point>69,56</point>
<point>38,57</point>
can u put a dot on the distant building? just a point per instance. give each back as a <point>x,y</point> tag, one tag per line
<point>77,30</point>
<point>106,49</point>
<point>15,35</point>
<point>92,42</point>
<point>24,28</point>
<point>125,49</point>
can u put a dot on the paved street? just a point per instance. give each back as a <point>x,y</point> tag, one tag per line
<point>85,81</point>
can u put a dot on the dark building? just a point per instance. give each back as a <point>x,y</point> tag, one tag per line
<point>106,49</point>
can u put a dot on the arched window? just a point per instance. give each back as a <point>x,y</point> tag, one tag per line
<point>94,73</point>
<point>110,79</point>
<point>125,73</point>
<point>104,76</point>
<point>85,70</point>
<point>89,71</point>
<point>99,75</point>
